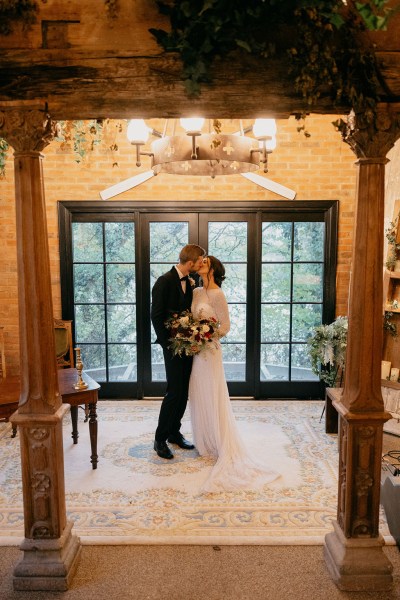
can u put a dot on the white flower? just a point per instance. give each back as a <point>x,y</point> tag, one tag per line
<point>184,320</point>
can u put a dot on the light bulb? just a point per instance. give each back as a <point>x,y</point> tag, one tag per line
<point>264,128</point>
<point>192,125</point>
<point>137,132</point>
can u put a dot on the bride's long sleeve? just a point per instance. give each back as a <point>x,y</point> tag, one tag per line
<point>222,311</point>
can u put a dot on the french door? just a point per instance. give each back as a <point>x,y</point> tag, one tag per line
<point>280,261</point>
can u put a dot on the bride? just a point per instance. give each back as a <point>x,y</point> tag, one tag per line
<point>214,427</point>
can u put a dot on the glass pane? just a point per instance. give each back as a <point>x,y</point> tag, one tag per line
<point>122,362</point>
<point>235,284</point>
<point>307,283</point>
<point>228,241</point>
<point>89,283</point>
<point>94,361</point>
<point>276,242</point>
<point>308,241</point>
<point>274,362</point>
<point>167,240</point>
<point>121,323</point>
<point>275,322</point>
<point>237,315</point>
<point>234,358</point>
<point>157,363</point>
<point>305,317</point>
<point>87,242</point>
<point>121,283</point>
<point>301,364</point>
<point>153,334</point>
<point>120,242</point>
<point>157,270</point>
<point>275,286</point>
<point>89,323</point>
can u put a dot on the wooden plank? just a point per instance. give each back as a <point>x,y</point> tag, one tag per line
<point>149,87</point>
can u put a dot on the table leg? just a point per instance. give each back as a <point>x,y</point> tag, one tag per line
<point>93,433</point>
<point>74,420</point>
<point>331,416</point>
<point>14,431</point>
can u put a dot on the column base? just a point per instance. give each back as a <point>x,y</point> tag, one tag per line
<point>48,564</point>
<point>357,564</point>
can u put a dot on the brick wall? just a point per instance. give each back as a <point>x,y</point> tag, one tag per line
<point>317,168</point>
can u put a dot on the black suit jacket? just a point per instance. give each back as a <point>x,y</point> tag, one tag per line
<point>168,298</point>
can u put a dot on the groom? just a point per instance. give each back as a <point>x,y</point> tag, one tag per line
<point>172,293</point>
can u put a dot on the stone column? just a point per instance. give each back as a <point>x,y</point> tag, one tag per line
<point>51,552</point>
<point>353,551</point>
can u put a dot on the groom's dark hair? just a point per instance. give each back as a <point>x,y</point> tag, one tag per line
<point>190,252</point>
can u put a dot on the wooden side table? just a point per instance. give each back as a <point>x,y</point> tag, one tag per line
<point>9,398</point>
<point>66,380</point>
<point>331,416</point>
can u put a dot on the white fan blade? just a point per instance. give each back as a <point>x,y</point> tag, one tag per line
<point>125,185</point>
<point>268,184</point>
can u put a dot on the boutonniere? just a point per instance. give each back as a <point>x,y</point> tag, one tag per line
<point>192,281</point>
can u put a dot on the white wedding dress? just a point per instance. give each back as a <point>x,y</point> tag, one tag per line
<point>215,432</point>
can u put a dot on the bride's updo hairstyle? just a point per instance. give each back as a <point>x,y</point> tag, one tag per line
<point>218,269</point>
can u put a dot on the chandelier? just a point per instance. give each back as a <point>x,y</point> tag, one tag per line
<point>198,153</point>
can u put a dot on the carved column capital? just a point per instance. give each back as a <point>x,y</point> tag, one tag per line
<point>27,130</point>
<point>371,140</point>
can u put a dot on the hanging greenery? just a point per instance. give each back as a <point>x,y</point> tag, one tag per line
<point>394,246</point>
<point>82,135</point>
<point>319,39</point>
<point>3,157</point>
<point>388,324</point>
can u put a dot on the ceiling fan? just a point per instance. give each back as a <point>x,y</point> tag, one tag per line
<point>203,154</point>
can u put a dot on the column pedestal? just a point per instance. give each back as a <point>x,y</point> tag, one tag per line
<point>357,564</point>
<point>48,564</point>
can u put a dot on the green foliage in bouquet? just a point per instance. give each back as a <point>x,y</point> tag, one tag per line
<point>327,347</point>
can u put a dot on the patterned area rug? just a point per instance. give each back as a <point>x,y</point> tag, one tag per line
<point>134,497</point>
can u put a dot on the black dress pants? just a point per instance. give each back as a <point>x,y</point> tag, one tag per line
<point>178,369</point>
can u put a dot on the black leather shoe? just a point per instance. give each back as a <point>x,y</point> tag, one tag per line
<point>180,441</point>
<point>162,450</point>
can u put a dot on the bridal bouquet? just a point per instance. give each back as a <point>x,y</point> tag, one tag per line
<point>189,335</point>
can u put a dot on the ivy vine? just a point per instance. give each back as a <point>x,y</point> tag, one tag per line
<point>319,39</point>
<point>3,157</point>
<point>394,246</point>
<point>389,325</point>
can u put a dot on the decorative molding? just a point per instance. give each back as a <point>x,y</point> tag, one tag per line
<point>359,464</point>
<point>38,434</point>
<point>27,130</point>
<point>371,139</point>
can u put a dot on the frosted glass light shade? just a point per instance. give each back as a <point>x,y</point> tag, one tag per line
<point>192,125</point>
<point>271,143</point>
<point>264,127</point>
<point>137,132</point>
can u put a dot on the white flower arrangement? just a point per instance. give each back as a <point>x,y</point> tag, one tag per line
<point>327,347</point>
